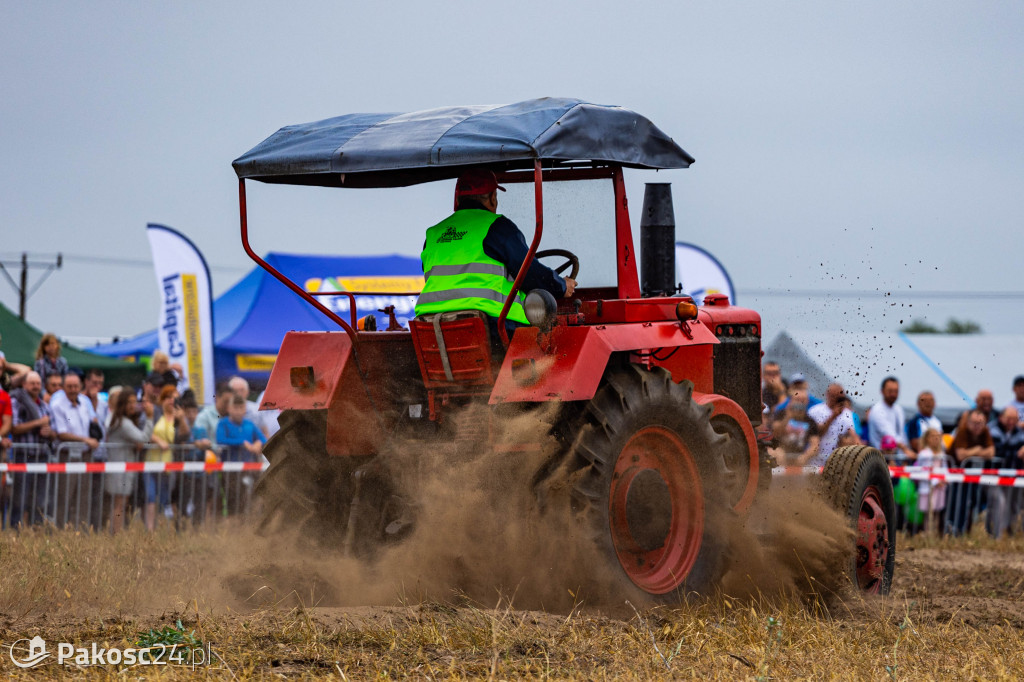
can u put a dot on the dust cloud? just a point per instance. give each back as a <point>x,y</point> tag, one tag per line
<point>482,537</point>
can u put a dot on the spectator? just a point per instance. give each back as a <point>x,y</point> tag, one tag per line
<point>252,409</point>
<point>124,442</point>
<point>984,402</point>
<point>173,374</point>
<point>111,401</point>
<point>242,442</point>
<point>211,415</point>
<point>150,393</point>
<point>92,392</point>
<point>886,418</point>
<point>1008,440</point>
<point>71,420</point>
<point>48,358</point>
<point>799,382</point>
<point>835,421</point>
<point>11,373</point>
<point>973,440</point>
<point>160,485</point>
<point>922,421</point>
<point>196,495</point>
<point>54,387</point>
<point>33,437</point>
<point>931,495</point>
<point>6,422</point>
<point>207,421</point>
<point>773,388</point>
<point>1018,397</point>
<point>796,432</point>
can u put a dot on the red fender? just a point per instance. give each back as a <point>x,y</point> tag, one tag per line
<point>722,406</point>
<point>568,363</point>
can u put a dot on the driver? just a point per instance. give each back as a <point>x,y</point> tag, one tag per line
<point>471,258</point>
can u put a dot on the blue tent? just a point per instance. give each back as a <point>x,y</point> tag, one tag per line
<point>251,318</point>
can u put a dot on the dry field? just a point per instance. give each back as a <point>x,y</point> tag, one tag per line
<point>956,612</point>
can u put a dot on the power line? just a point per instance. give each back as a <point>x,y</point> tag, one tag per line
<point>136,262</point>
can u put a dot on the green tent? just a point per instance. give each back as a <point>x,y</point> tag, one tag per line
<point>20,340</point>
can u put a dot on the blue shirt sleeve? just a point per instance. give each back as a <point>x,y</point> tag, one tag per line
<point>253,433</point>
<point>227,435</point>
<point>505,243</point>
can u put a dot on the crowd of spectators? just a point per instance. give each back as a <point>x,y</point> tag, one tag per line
<point>807,430</point>
<point>51,412</point>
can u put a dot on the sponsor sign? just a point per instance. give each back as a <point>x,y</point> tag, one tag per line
<point>185,325</point>
<point>701,274</point>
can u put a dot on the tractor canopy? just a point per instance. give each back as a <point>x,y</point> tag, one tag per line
<point>395,150</point>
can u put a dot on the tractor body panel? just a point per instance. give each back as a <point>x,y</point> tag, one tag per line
<point>568,362</point>
<point>364,396</point>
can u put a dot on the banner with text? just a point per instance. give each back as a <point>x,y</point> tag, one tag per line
<point>186,312</point>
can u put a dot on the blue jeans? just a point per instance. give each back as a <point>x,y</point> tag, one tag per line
<point>158,485</point>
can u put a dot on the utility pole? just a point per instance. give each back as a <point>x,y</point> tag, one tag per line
<point>22,288</point>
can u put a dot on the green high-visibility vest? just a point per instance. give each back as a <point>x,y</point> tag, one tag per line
<point>460,276</point>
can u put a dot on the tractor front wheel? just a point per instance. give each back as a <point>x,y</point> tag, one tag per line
<point>649,482</point>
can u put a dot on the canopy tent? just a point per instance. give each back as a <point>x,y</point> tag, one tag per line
<point>392,150</point>
<point>251,318</point>
<point>954,367</point>
<point>20,341</point>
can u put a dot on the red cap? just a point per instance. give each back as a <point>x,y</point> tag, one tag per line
<point>476,182</point>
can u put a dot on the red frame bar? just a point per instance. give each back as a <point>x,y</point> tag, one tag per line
<point>538,179</point>
<point>625,257</point>
<point>281,278</point>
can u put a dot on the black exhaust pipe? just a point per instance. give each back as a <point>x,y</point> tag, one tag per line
<point>658,242</point>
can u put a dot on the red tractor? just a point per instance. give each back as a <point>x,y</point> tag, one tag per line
<point>652,400</point>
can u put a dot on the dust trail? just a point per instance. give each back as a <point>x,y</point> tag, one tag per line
<point>793,545</point>
<point>481,536</point>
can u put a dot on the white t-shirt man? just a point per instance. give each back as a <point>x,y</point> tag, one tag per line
<point>886,420</point>
<point>842,424</point>
<point>73,419</point>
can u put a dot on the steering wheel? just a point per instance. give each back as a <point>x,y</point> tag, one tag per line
<point>570,259</point>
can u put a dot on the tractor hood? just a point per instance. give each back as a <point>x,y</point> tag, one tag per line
<point>394,150</point>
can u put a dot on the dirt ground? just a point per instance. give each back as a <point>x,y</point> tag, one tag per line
<point>956,611</point>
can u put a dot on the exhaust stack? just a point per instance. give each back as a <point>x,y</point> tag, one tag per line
<point>658,242</point>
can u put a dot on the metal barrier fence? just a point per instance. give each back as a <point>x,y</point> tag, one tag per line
<point>67,485</point>
<point>950,500</point>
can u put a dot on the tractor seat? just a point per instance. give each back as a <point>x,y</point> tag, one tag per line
<point>453,349</point>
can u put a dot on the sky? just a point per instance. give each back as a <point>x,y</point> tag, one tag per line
<point>858,164</point>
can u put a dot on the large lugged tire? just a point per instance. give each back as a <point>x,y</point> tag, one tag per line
<point>856,483</point>
<point>649,482</point>
<point>305,491</point>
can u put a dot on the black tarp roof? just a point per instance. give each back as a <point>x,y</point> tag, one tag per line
<point>392,150</point>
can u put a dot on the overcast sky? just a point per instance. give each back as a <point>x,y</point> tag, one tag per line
<point>842,147</point>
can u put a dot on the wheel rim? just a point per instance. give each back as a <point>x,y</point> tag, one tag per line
<point>656,510</point>
<point>872,542</point>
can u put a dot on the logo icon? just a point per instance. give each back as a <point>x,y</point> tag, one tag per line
<point>450,235</point>
<point>36,652</point>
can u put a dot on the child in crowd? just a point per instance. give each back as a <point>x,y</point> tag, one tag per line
<point>242,442</point>
<point>931,495</point>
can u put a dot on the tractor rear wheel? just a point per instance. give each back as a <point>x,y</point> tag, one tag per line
<point>649,482</point>
<point>305,492</point>
<point>856,483</point>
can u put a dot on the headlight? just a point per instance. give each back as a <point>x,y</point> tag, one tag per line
<point>540,307</point>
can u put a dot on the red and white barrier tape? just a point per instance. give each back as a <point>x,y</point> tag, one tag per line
<point>126,467</point>
<point>1013,478</point>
